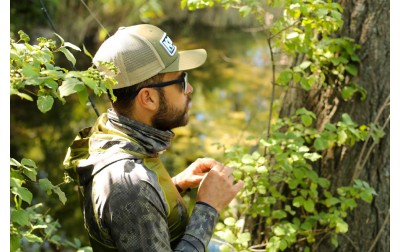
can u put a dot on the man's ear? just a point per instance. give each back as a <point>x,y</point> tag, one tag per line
<point>148,98</point>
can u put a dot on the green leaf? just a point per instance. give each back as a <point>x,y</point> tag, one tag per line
<point>14,162</point>
<point>309,205</point>
<point>292,35</point>
<point>243,237</point>
<point>312,156</point>
<point>68,55</point>
<point>307,120</point>
<point>352,69</point>
<point>85,249</point>
<point>298,201</point>
<point>245,10</point>
<point>261,189</point>
<point>15,182</point>
<point>23,193</point>
<point>305,64</point>
<point>283,245</point>
<point>15,242</point>
<point>279,231</point>
<point>21,217</point>
<point>279,214</point>
<point>341,226</point>
<point>45,184</point>
<point>320,143</point>
<point>23,36</point>
<point>305,84</point>
<point>87,52</point>
<point>348,92</point>
<point>284,77</point>
<point>33,238</point>
<point>230,221</point>
<point>331,201</point>
<point>29,168</point>
<point>30,71</point>
<point>70,86</point>
<point>61,39</point>
<point>334,241</point>
<point>61,194</point>
<point>247,159</point>
<point>323,182</point>
<point>68,44</point>
<point>45,103</point>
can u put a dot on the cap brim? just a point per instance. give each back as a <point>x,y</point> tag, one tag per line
<point>187,60</point>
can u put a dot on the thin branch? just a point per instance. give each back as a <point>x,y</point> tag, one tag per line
<point>360,162</point>
<point>273,90</point>
<point>351,242</point>
<point>378,236</point>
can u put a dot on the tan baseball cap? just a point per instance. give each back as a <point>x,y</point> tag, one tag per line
<point>141,52</point>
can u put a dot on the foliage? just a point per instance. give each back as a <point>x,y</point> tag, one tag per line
<point>285,201</point>
<point>33,73</point>
<point>282,186</point>
<point>29,222</point>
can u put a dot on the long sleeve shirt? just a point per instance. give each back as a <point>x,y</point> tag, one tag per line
<point>129,200</point>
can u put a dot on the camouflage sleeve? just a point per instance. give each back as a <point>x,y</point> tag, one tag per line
<point>200,228</point>
<point>137,218</point>
<point>138,222</point>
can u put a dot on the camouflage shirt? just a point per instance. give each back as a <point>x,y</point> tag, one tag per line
<point>129,200</point>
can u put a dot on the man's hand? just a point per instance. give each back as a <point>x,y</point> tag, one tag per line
<point>217,188</point>
<point>192,176</point>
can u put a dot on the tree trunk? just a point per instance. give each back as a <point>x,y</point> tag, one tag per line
<point>367,22</point>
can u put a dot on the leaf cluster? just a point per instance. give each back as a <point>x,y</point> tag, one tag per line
<point>296,204</point>
<point>29,221</point>
<point>34,73</point>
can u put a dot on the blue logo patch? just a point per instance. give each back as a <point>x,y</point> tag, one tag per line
<point>168,45</point>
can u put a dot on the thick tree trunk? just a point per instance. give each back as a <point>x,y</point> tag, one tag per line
<point>367,22</point>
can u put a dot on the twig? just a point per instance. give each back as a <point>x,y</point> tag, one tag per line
<point>351,242</point>
<point>378,236</point>
<point>273,91</point>
<point>360,163</point>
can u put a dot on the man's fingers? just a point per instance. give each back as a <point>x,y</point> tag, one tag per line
<point>238,186</point>
<point>218,167</point>
<point>205,164</point>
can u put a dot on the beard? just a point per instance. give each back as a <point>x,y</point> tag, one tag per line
<point>168,118</point>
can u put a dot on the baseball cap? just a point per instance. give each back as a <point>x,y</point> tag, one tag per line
<point>141,52</point>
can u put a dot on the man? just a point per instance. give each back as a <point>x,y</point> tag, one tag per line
<point>130,202</point>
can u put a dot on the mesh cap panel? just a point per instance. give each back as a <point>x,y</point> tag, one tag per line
<point>142,51</point>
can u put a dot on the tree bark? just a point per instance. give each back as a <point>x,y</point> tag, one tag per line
<point>367,22</point>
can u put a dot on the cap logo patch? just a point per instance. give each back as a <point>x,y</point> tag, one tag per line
<point>168,45</point>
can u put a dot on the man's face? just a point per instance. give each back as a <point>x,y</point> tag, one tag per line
<point>173,110</point>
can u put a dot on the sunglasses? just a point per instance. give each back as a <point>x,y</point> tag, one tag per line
<point>182,80</point>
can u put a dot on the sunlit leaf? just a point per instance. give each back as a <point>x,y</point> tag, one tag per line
<point>61,194</point>
<point>68,55</point>
<point>68,44</point>
<point>20,216</point>
<point>23,193</point>
<point>45,103</point>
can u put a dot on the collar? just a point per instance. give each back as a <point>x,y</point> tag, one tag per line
<point>151,139</point>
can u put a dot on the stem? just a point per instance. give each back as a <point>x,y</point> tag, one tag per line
<point>360,162</point>
<point>273,90</point>
<point>378,236</point>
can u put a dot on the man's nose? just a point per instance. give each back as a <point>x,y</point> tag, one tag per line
<point>189,89</point>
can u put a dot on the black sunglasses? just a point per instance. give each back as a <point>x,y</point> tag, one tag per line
<point>182,80</point>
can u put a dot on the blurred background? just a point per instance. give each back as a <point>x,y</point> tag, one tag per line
<point>230,104</point>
